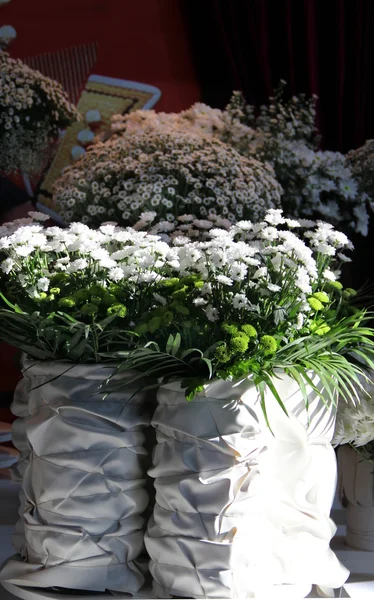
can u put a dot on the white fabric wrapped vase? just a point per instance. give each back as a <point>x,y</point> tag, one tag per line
<point>241,513</point>
<point>83,470</point>
<point>356,491</point>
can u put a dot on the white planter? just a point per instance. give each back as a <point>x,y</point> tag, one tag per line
<point>356,492</point>
<point>83,473</point>
<point>240,513</point>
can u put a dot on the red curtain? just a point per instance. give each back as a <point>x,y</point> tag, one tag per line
<point>324,47</point>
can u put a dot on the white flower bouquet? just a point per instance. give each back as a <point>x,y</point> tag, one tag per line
<point>253,300</point>
<point>33,109</point>
<point>170,173</point>
<point>315,183</point>
<point>76,293</point>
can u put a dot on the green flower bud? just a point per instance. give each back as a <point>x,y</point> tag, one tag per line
<point>250,331</point>
<point>97,290</point>
<point>229,328</point>
<point>334,284</point>
<point>95,300</point>
<point>198,284</point>
<point>89,309</point>
<point>59,278</point>
<point>315,304</point>
<point>180,293</point>
<point>239,344</point>
<point>81,296</point>
<point>42,296</point>
<point>67,302</point>
<point>221,354</point>
<point>268,345</point>
<point>322,297</point>
<point>117,309</point>
<point>109,299</point>
<point>54,290</point>
<point>173,281</point>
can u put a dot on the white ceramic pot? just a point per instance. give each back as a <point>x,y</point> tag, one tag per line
<point>82,470</point>
<point>242,513</point>
<point>356,491</point>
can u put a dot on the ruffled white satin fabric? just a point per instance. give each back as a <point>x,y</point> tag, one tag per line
<point>83,469</point>
<point>356,491</point>
<point>241,513</point>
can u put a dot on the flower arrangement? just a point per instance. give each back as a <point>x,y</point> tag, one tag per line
<point>315,183</point>
<point>73,293</point>
<point>33,109</point>
<point>355,424</point>
<point>248,301</point>
<point>170,173</point>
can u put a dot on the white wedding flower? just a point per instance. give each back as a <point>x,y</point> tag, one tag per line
<point>25,250</point>
<point>272,287</point>
<point>116,274</point>
<point>43,284</point>
<point>77,265</point>
<point>240,301</point>
<point>212,313</point>
<point>329,275</point>
<point>224,280</point>
<point>7,265</point>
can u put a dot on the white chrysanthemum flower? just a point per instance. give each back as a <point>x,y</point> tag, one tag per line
<point>212,313</point>
<point>224,280</point>
<point>77,265</point>
<point>7,265</point>
<point>116,274</point>
<point>240,301</point>
<point>43,284</point>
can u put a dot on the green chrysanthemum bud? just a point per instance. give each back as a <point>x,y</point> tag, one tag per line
<point>109,299</point>
<point>322,297</point>
<point>54,290</point>
<point>198,284</point>
<point>141,329</point>
<point>89,309</point>
<point>67,302</point>
<point>95,300</point>
<point>117,309</point>
<point>180,293</point>
<point>268,345</point>
<point>59,278</point>
<point>82,295</point>
<point>229,328</point>
<point>221,354</point>
<point>41,297</point>
<point>315,304</point>
<point>239,344</point>
<point>349,293</point>
<point>334,284</point>
<point>250,331</point>
<point>97,290</point>
<point>173,281</point>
